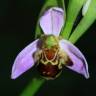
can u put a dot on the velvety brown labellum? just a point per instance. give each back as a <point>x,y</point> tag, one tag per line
<point>48,70</point>
<point>51,52</point>
<point>49,62</point>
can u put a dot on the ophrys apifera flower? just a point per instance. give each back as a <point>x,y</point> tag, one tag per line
<point>50,53</point>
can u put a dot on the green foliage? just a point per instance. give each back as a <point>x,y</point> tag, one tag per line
<point>73,10</point>
<point>85,23</point>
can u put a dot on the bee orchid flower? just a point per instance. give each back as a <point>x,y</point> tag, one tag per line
<point>50,53</point>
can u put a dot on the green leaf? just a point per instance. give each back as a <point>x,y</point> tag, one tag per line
<point>48,4</point>
<point>74,7</point>
<point>85,23</point>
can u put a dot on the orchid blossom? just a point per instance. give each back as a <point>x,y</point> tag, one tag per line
<point>51,52</point>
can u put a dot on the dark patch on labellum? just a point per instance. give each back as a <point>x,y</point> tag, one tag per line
<point>69,62</point>
<point>48,70</point>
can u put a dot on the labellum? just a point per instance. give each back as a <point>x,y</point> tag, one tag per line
<point>51,60</point>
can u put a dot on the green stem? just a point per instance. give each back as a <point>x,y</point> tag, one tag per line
<point>32,87</point>
<point>74,7</point>
<point>85,23</point>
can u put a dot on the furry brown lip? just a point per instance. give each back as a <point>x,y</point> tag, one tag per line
<point>49,70</point>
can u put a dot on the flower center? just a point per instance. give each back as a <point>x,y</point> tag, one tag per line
<point>50,53</point>
<point>52,59</point>
<point>48,41</point>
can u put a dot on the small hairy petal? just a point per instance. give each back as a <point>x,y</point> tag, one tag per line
<point>52,21</point>
<point>24,60</point>
<point>79,62</point>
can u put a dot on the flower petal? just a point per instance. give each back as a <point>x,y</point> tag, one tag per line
<point>52,21</point>
<point>24,60</point>
<point>79,62</point>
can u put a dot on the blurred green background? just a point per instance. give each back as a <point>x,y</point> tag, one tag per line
<point>17,26</point>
